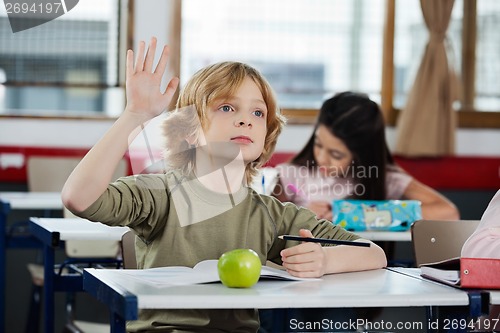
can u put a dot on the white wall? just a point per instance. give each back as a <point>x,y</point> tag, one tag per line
<point>85,133</point>
<point>151,19</point>
<point>471,142</point>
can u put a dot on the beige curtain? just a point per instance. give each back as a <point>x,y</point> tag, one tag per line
<point>426,125</point>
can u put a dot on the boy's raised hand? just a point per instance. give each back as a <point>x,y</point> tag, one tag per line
<point>144,95</point>
<point>304,260</point>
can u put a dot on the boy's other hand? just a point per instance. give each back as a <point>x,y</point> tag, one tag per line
<point>143,81</point>
<point>304,260</point>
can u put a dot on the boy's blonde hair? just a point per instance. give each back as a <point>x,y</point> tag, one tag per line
<point>220,80</point>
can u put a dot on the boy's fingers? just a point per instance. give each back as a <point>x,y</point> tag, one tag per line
<point>302,248</point>
<point>162,63</point>
<point>301,258</point>
<point>305,247</point>
<point>130,63</point>
<point>170,91</point>
<point>172,86</point>
<point>139,62</point>
<point>304,274</point>
<point>150,55</point>
<point>301,267</point>
<point>305,233</point>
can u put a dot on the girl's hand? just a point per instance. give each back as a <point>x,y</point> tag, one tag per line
<point>144,96</point>
<point>322,209</point>
<point>306,259</point>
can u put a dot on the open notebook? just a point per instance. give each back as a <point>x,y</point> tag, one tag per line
<point>204,272</point>
<point>462,272</point>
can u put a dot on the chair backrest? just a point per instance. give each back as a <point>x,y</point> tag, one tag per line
<point>48,174</point>
<point>439,240</point>
<point>128,250</point>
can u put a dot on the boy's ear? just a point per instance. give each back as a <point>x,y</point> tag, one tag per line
<point>196,139</point>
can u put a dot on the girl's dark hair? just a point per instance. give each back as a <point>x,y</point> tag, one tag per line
<point>358,122</point>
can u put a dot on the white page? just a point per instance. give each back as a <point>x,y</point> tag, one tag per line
<point>160,276</point>
<point>204,272</point>
<point>452,276</point>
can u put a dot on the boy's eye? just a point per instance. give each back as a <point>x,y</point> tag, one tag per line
<point>259,113</point>
<point>226,108</point>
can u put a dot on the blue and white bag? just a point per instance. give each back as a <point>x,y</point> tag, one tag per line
<point>383,215</point>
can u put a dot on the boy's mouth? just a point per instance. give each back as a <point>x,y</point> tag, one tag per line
<point>242,139</point>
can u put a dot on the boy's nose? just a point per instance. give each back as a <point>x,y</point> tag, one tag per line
<point>241,123</point>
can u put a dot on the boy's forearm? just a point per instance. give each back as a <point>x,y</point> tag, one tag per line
<point>350,259</point>
<point>93,174</point>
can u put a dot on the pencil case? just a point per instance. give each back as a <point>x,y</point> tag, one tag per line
<point>382,215</point>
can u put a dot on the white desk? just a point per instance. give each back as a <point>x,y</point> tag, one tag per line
<point>476,296</point>
<point>19,201</point>
<point>413,272</point>
<point>32,200</point>
<point>390,236</point>
<point>75,229</point>
<point>52,232</point>
<point>377,288</point>
<point>495,297</point>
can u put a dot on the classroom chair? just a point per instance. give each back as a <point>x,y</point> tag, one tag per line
<point>128,250</point>
<point>439,240</point>
<point>48,174</point>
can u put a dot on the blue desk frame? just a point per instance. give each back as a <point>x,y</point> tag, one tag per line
<point>11,241</point>
<point>54,281</point>
<point>121,303</point>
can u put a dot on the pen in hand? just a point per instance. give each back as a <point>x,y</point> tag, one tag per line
<point>263,184</point>
<point>323,240</point>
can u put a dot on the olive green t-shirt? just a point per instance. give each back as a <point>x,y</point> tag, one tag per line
<point>179,222</point>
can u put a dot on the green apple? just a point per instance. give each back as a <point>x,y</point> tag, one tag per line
<point>239,268</point>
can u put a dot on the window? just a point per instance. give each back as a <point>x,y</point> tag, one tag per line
<point>70,63</point>
<point>410,38</point>
<point>487,56</point>
<point>477,25</point>
<point>307,49</point>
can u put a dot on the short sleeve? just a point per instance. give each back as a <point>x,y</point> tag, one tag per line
<point>396,183</point>
<point>485,241</point>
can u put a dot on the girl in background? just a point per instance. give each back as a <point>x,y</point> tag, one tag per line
<point>347,157</point>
